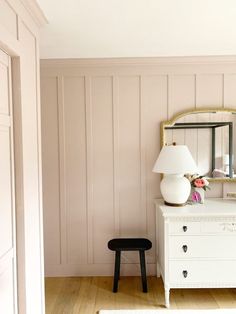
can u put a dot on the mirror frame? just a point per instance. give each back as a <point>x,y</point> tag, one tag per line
<point>184,113</point>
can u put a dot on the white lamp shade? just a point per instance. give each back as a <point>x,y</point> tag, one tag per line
<point>175,159</point>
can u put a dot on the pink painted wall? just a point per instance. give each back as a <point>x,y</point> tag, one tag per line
<point>101,136</point>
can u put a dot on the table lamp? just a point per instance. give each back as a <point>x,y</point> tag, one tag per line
<point>174,161</point>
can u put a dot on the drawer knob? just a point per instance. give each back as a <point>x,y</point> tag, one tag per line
<point>185,273</point>
<point>185,228</point>
<point>185,248</point>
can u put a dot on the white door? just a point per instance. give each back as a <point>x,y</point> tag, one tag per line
<point>7,203</point>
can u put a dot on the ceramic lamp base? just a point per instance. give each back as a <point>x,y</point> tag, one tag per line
<point>174,205</point>
<point>175,189</point>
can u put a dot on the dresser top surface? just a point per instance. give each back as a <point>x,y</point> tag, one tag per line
<point>211,207</point>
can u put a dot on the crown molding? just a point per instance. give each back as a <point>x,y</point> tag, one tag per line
<point>35,11</point>
<point>151,61</point>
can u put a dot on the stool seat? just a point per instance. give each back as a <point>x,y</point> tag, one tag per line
<point>129,244</point>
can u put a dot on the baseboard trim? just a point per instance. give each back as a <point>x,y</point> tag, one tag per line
<point>96,270</point>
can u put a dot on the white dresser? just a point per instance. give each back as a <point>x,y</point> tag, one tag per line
<point>196,245</point>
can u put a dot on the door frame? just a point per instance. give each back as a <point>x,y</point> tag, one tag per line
<point>15,51</point>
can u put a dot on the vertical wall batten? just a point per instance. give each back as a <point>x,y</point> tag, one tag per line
<point>115,130</point>
<point>89,165</point>
<point>168,95</point>
<point>62,174</point>
<point>142,145</point>
<point>195,88</point>
<point>223,90</point>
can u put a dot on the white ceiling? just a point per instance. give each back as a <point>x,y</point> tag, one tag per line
<point>138,28</point>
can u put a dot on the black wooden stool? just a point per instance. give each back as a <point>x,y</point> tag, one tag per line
<point>129,244</point>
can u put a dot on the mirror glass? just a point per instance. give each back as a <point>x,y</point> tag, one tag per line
<point>210,137</point>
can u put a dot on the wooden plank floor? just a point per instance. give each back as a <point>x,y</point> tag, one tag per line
<point>87,295</point>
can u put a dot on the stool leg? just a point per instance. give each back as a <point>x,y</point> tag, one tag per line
<point>143,270</point>
<point>119,267</point>
<point>116,271</point>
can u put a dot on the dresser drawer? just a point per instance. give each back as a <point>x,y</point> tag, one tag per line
<point>202,227</point>
<point>204,272</point>
<point>221,227</point>
<point>184,228</point>
<point>215,246</point>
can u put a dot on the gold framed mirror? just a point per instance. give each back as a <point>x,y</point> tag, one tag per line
<point>210,135</point>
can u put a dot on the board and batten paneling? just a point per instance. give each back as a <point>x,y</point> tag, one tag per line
<point>101,136</point>
<point>50,150</point>
<point>102,169</point>
<point>73,170</point>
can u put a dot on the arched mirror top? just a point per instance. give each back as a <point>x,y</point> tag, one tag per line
<point>210,135</point>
